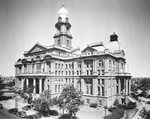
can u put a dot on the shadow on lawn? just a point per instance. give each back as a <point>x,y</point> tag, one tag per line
<point>66,116</point>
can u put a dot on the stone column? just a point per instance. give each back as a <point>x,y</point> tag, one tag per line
<point>82,67</point>
<point>94,67</point>
<point>41,63</point>
<point>27,81</point>
<point>129,86</point>
<point>52,67</point>
<point>106,66</point>
<point>35,68</point>
<point>22,83</point>
<point>34,84</point>
<point>95,92</point>
<point>40,85</point>
<point>74,68</point>
<point>105,87</point>
<point>45,67</point>
<point>100,90</point>
<point>22,69</point>
<point>126,86</point>
<point>119,85</point>
<point>82,86</point>
<point>27,68</point>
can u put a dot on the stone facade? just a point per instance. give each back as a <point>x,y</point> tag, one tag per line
<point>98,71</point>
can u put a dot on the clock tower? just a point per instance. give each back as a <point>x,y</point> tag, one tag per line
<point>63,38</point>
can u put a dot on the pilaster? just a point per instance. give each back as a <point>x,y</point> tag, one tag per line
<point>40,85</point>
<point>34,84</point>
<point>119,86</point>
<point>82,86</point>
<point>52,67</point>
<point>22,83</point>
<point>94,67</point>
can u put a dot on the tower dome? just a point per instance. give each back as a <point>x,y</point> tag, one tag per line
<point>114,45</point>
<point>63,13</point>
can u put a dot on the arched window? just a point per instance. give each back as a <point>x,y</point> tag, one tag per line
<point>38,58</point>
<point>59,19</point>
<point>67,42</point>
<point>58,41</point>
<point>100,63</point>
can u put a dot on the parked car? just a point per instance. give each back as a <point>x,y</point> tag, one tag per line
<point>1,106</point>
<point>33,117</point>
<point>22,114</point>
<point>13,111</point>
<point>27,107</point>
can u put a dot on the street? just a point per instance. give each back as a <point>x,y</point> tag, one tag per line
<point>6,115</point>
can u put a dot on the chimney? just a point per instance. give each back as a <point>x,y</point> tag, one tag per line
<point>113,37</point>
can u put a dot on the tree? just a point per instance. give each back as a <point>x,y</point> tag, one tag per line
<point>134,87</point>
<point>43,103</point>
<point>2,86</point>
<point>26,93</point>
<point>144,113</point>
<point>11,84</point>
<point>70,100</point>
<point>144,86</point>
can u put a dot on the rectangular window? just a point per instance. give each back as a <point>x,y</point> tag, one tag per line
<point>88,101</point>
<point>55,88</point>
<point>103,72</point>
<point>103,81</point>
<point>102,91</point>
<point>91,73</point>
<point>91,90</point>
<point>98,91</point>
<point>87,89</point>
<point>98,72</point>
<point>100,102</point>
<point>98,81</point>
<point>87,72</point>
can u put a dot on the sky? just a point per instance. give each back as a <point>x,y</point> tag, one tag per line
<point>23,23</point>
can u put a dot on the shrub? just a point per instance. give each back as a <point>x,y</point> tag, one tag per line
<point>116,102</point>
<point>53,113</point>
<point>131,105</point>
<point>110,109</point>
<point>121,106</point>
<point>94,105</point>
<point>135,96</point>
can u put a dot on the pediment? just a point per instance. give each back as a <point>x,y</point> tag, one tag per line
<point>37,48</point>
<point>88,49</point>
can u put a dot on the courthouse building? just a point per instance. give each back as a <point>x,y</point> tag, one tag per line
<point>98,70</point>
